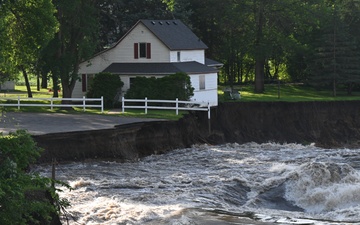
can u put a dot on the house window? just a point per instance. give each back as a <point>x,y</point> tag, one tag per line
<point>142,50</point>
<point>178,56</point>
<point>202,82</point>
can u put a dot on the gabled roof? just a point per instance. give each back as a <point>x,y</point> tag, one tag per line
<point>158,68</point>
<point>174,34</point>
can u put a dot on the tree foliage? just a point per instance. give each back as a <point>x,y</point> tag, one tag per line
<point>25,198</point>
<point>26,28</point>
<point>74,42</point>
<point>336,57</point>
<point>258,41</point>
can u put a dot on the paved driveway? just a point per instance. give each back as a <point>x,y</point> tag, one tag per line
<point>44,123</point>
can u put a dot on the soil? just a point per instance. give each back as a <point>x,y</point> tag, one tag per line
<point>326,124</point>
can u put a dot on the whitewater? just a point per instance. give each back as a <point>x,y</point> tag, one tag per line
<point>225,184</point>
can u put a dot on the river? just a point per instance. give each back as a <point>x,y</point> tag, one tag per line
<point>227,184</point>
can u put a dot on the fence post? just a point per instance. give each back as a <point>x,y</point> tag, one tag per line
<point>102,104</point>
<point>209,118</point>
<point>51,103</point>
<point>177,106</point>
<point>123,104</point>
<point>18,102</point>
<point>84,104</point>
<point>146,104</point>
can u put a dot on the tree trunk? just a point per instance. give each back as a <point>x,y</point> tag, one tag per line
<point>259,57</point>
<point>38,82</point>
<point>44,83</point>
<point>27,83</point>
<point>55,86</point>
<point>259,75</point>
<point>67,89</point>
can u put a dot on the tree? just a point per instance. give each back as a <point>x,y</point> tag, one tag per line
<point>116,17</point>
<point>26,29</point>
<point>25,198</point>
<point>336,59</point>
<point>250,35</point>
<point>74,42</point>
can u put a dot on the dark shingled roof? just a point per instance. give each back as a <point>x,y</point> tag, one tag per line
<point>158,68</point>
<point>211,62</point>
<point>174,34</point>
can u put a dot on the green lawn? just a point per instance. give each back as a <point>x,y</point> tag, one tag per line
<point>22,92</point>
<point>290,93</point>
<point>44,93</point>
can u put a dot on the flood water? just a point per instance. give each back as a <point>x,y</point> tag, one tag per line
<point>227,184</point>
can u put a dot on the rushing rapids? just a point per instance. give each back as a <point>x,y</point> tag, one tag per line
<point>226,184</point>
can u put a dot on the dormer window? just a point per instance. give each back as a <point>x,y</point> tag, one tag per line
<point>142,50</point>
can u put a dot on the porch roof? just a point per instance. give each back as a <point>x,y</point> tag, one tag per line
<point>159,68</point>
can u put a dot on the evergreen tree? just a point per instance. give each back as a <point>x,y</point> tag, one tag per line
<point>336,59</point>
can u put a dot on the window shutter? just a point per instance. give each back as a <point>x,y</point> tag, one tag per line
<point>148,50</point>
<point>83,81</point>
<point>136,50</point>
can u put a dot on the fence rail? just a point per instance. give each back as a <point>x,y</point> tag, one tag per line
<point>21,102</point>
<point>189,105</point>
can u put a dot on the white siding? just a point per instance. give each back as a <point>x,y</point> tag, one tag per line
<point>210,93</point>
<point>77,92</point>
<point>188,56</point>
<point>210,81</point>
<point>206,96</point>
<point>124,52</point>
<point>159,52</point>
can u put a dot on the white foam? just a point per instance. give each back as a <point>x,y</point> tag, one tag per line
<point>161,187</point>
<point>324,187</point>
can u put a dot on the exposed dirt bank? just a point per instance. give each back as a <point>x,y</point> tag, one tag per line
<point>327,124</point>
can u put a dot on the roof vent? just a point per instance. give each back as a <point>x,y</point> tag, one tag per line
<point>161,23</point>
<point>153,22</point>
<point>175,23</point>
<point>167,22</point>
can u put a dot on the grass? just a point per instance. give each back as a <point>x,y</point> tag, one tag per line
<point>22,92</point>
<point>288,92</point>
<point>45,93</point>
<point>157,114</point>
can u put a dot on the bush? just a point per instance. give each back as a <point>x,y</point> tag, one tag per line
<point>107,85</point>
<point>25,198</point>
<point>166,88</point>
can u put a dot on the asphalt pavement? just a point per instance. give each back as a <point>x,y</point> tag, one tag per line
<point>45,123</point>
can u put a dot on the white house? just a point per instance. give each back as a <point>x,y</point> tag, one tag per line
<point>155,48</point>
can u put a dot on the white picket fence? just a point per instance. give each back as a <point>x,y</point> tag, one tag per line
<point>52,102</point>
<point>188,105</point>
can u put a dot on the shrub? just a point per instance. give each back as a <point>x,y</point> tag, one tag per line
<point>107,85</point>
<point>25,198</point>
<point>169,87</point>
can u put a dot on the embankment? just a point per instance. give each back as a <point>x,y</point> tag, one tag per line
<point>327,124</point>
